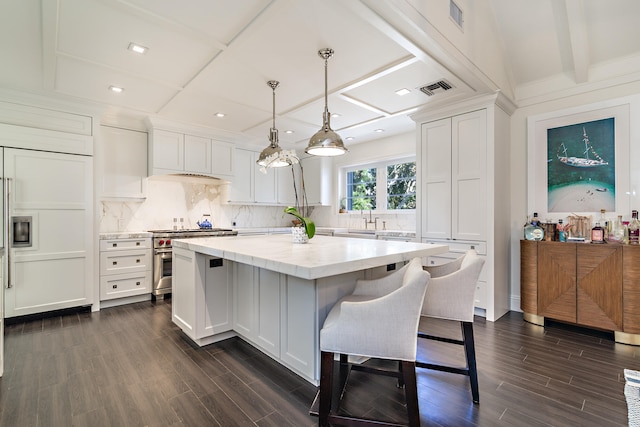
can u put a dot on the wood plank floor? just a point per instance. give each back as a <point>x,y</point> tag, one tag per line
<point>130,366</point>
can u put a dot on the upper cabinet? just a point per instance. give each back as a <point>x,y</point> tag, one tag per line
<point>278,186</point>
<point>454,158</point>
<point>178,153</point>
<point>250,185</point>
<point>124,163</point>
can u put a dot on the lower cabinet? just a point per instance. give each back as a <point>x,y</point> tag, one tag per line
<point>456,250</point>
<point>276,313</point>
<point>585,284</point>
<point>202,295</point>
<point>125,267</point>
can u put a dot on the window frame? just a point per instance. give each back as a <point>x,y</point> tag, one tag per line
<point>381,181</point>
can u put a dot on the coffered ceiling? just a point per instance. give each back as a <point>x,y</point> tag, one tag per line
<point>207,56</point>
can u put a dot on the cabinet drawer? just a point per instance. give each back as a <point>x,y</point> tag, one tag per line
<point>119,262</point>
<point>480,297</point>
<point>460,246</point>
<point>124,285</point>
<point>124,244</point>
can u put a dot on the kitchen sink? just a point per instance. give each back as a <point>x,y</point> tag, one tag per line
<point>358,231</point>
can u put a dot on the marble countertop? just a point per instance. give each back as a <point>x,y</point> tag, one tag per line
<point>323,256</point>
<point>126,235</point>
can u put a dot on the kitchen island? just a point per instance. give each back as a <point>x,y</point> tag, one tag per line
<point>274,293</point>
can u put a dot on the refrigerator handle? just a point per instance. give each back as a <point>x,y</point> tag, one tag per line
<point>7,222</point>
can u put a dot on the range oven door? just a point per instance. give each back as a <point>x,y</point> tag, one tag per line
<point>161,271</point>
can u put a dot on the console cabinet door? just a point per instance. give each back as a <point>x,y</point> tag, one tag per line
<point>557,281</point>
<point>599,286</point>
<point>631,289</point>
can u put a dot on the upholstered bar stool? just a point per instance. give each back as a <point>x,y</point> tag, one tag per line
<point>451,296</point>
<point>379,320</point>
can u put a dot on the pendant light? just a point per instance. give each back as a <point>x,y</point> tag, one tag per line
<point>271,157</point>
<point>325,142</point>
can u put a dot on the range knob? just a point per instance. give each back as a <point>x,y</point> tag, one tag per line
<point>160,242</point>
<point>168,242</point>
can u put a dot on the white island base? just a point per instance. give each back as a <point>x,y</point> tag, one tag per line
<point>273,293</point>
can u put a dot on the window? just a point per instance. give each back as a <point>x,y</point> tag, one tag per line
<point>397,178</point>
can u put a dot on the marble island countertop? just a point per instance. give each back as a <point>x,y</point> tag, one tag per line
<point>323,256</point>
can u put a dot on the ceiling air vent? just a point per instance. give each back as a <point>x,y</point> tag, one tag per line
<point>436,87</point>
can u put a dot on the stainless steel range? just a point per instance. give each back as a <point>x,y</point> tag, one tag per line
<point>162,251</point>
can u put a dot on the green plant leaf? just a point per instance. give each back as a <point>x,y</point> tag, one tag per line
<point>309,225</point>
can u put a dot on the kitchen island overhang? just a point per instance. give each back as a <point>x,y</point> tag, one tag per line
<point>273,293</point>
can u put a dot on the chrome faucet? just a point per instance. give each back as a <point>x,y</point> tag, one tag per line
<point>371,221</point>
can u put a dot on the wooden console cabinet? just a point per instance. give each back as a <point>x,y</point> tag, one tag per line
<point>595,286</point>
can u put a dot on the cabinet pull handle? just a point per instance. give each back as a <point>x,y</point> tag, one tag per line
<point>473,247</point>
<point>115,286</point>
<point>137,283</point>
<point>115,262</point>
<point>115,245</point>
<point>137,243</point>
<point>138,261</point>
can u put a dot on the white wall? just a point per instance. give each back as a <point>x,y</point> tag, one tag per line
<point>625,93</point>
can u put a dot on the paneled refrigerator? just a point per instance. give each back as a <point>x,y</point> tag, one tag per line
<point>46,231</point>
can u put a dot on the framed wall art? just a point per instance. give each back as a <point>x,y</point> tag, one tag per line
<point>578,161</point>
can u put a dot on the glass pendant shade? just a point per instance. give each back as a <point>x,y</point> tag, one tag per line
<point>271,156</point>
<point>325,142</point>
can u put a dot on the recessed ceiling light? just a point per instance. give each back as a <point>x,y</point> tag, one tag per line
<point>349,138</point>
<point>134,47</point>
<point>288,131</point>
<point>335,115</point>
<point>220,114</point>
<point>116,89</point>
<point>379,130</point>
<point>403,91</point>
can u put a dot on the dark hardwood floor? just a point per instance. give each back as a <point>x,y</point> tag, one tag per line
<point>130,366</point>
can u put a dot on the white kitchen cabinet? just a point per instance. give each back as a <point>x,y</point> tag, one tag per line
<point>454,158</point>
<point>276,313</point>
<point>125,267</point>
<point>178,153</point>
<point>285,191</point>
<point>197,155</point>
<point>267,305</point>
<point>202,298</point>
<point>249,185</point>
<point>166,152</point>
<point>222,154</point>
<point>463,189</point>
<point>124,163</point>
<point>317,179</point>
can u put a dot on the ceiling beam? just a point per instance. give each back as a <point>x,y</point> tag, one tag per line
<point>579,38</point>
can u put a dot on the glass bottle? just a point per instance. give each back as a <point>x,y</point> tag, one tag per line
<point>606,226</point>
<point>562,236</point>
<point>533,231</point>
<point>597,234</point>
<point>526,224</point>
<point>535,220</point>
<point>617,230</point>
<point>634,229</point>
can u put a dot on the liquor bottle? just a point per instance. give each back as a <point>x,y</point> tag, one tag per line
<point>533,231</point>
<point>535,221</point>
<point>606,226</point>
<point>617,231</point>
<point>634,229</point>
<point>597,234</point>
